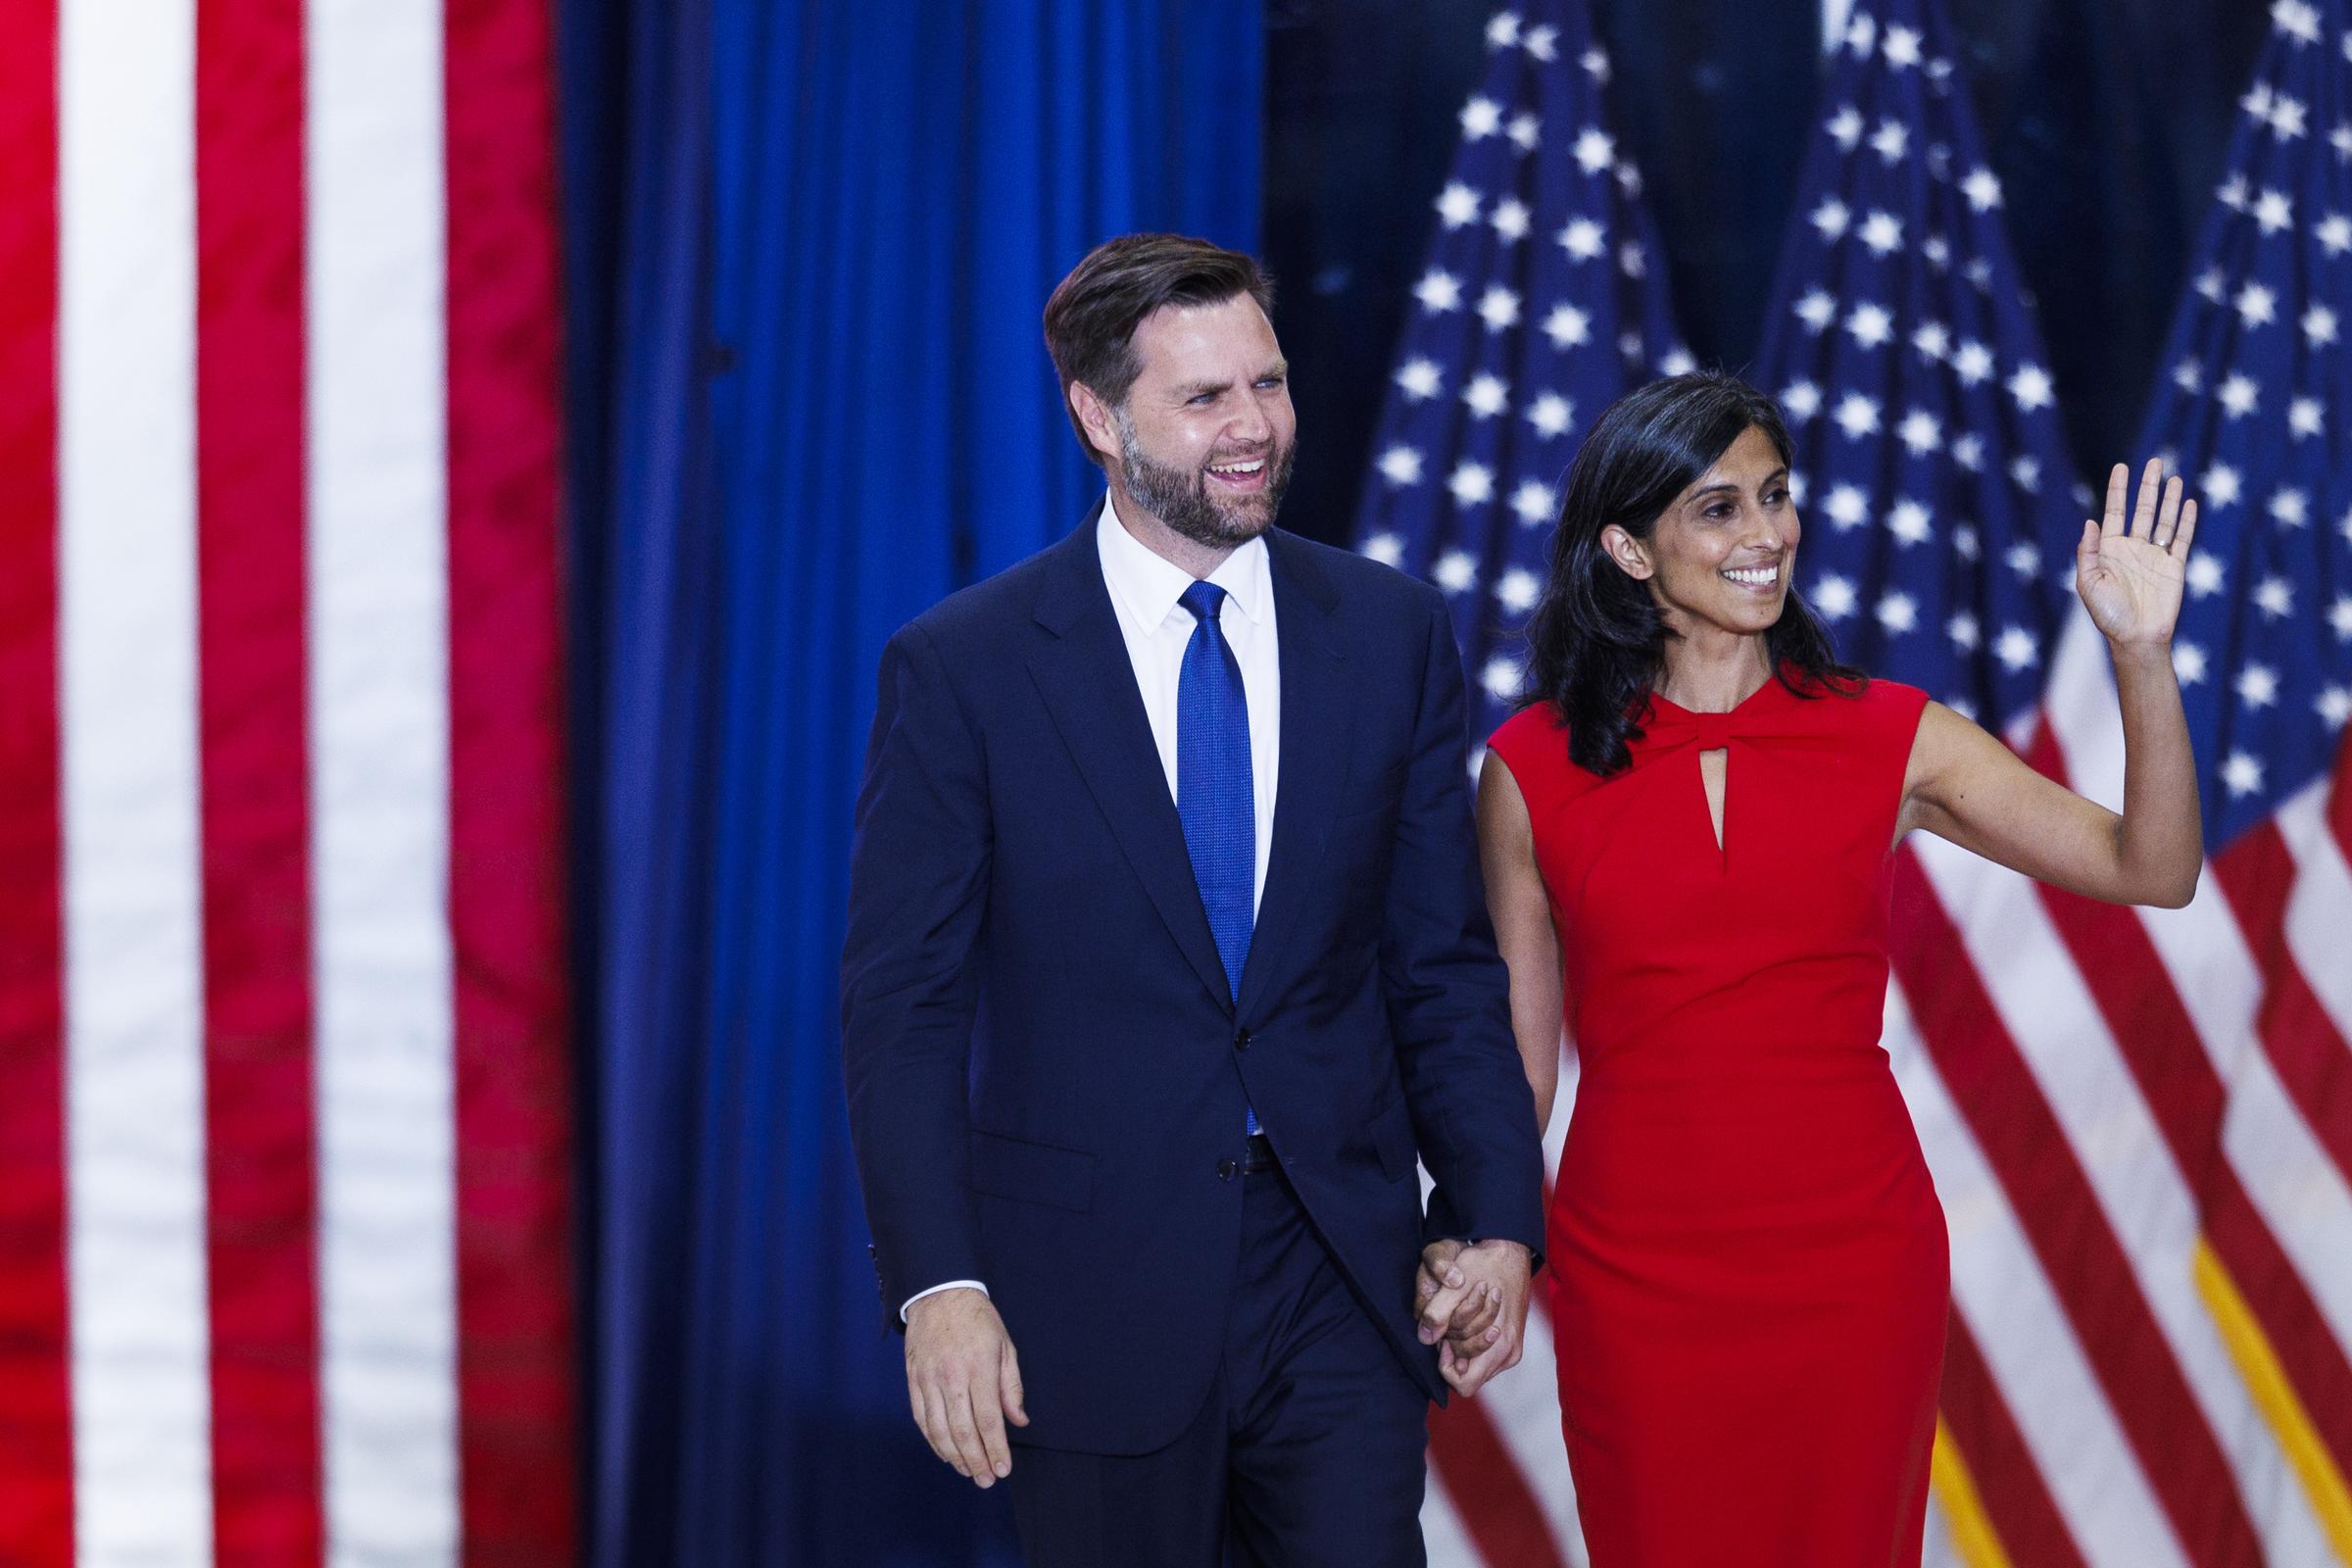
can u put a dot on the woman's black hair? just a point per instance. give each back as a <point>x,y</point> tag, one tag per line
<point>1598,641</point>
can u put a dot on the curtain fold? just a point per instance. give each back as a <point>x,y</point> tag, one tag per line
<point>809,244</point>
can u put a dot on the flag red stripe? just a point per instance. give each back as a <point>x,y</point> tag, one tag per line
<point>2313,1062</point>
<point>2158,1042</point>
<point>2017,1500</point>
<point>514,1272</point>
<point>2339,798</point>
<point>36,1421</point>
<point>260,1135</point>
<point>1482,1477</point>
<point>2060,1215</point>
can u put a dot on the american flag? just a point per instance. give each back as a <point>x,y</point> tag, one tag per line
<point>2140,1121</point>
<point>283,1086</point>
<point>1930,461</point>
<point>1544,299</point>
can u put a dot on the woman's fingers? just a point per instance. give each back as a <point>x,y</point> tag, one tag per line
<point>2178,546</point>
<point>2118,479</point>
<point>1476,1317</point>
<point>2144,513</point>
<point>2168,512</point>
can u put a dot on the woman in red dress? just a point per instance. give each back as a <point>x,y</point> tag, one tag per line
<point>1687,841</point>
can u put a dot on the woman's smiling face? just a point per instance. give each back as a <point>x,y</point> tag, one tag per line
<point>1723,552</point>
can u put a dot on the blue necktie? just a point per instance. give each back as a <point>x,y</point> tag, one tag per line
<point>1214,793</point>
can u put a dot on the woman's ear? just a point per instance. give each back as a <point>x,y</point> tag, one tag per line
<point>1627,550</point>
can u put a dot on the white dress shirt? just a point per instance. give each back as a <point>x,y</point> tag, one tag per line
<point>1146,592</point>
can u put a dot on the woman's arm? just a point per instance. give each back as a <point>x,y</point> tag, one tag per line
<point>1964,785</point>
<point>1523,930</point>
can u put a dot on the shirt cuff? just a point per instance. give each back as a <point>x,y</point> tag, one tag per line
<point>950,1285</point>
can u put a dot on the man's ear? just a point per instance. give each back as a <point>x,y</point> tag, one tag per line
<point>1628,552</point>
<point>1096,420</point>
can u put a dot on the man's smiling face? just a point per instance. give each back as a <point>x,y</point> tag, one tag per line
<point>1206,434</point>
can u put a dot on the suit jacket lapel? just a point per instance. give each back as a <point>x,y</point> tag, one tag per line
<point>1089,688</point>
<point>1316,728</point>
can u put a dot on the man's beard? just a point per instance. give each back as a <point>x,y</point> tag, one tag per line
<point>1180,497</point>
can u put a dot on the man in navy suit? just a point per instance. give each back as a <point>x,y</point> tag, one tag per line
<point>1167,957</point>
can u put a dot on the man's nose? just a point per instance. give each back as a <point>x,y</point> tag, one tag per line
<point>1252,424</point>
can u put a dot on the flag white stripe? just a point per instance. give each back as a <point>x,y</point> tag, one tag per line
<point>379,710</point>
<point>1563,1107</point>
<point>2204,949</point>
<point>2085,713</point>
<point>1447,1543</point>
<point>2030,977</point>
<point>1524,1405</point>
<point>2030,1349</point>
<point>2319,903</point>
<point>128,704</point>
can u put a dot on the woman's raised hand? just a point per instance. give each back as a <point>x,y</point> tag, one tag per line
<point>2131,577</point>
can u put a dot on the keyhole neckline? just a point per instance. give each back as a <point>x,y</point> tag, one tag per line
<point>1711,732</point>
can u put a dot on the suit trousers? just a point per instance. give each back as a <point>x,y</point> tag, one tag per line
<point>1307,1452</point>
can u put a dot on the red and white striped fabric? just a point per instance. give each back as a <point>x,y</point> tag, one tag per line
<point>2141,1126</point>
<point>284,1100</point>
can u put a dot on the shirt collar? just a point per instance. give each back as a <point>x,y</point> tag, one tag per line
<point>1146,587</point>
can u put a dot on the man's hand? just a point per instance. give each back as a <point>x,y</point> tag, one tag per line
<point>1476,1297</point>
<point>964,1382</point>
<point>1465,1314</point>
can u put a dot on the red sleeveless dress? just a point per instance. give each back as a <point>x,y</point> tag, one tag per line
<point>1749,1269</point>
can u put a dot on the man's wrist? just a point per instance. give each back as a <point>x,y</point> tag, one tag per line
<point>906,1307</point>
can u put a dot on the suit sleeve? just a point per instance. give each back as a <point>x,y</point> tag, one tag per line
<point>919,891</point>
<point>1448,993</point>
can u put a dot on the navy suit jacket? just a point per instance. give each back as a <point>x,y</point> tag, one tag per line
<point>1045,1074</point>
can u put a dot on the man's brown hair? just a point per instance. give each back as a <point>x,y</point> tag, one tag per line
<point>1092,317</point>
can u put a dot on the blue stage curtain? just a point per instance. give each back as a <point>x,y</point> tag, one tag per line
<point>807,248</point>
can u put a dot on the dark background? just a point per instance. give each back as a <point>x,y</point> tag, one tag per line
<point>2107,120</point>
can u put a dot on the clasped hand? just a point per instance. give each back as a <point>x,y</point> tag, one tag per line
<point>1472,1305</point>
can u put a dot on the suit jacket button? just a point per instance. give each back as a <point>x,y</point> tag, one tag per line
<point>1227,1169</point>
<point>1241,1040</point>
